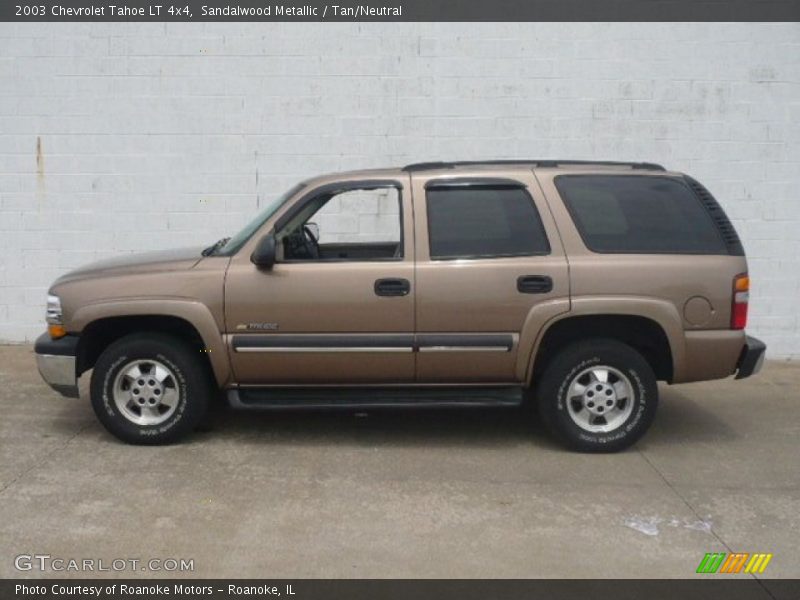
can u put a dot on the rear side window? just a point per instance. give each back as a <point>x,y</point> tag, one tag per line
<point>636,214</point>
<point>483,222</point>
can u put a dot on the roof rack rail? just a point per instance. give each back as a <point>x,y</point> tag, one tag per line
<point>646,166</point>
<point>427,166</point>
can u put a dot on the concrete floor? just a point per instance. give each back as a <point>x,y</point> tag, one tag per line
<point>414,494</point>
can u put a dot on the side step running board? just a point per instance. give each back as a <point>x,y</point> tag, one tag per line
<point>279,398</point>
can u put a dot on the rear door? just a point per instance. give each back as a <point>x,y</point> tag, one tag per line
<point>487,254</point>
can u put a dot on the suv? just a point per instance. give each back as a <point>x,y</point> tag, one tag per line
<point>578,284</point>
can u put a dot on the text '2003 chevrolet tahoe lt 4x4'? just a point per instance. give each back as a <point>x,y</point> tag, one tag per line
<point>576,284</point>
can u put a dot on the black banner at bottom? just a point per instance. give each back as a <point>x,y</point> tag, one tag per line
<point>405,589</point>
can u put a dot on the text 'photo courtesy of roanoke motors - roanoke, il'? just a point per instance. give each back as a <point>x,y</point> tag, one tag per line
<point>402,300</point>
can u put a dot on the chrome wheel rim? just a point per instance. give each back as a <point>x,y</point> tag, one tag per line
<point>146,392</point>
<point>600,399</point>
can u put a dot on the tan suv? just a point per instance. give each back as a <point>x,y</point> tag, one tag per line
<point>577,284</point>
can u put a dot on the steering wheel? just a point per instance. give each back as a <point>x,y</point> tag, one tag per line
<point>301,244</point>
<point>310,242</point>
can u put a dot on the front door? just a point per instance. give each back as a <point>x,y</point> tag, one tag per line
<point>338,305</point>
<point>488,254</point>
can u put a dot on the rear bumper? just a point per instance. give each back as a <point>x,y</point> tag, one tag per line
<point>709,354</point>
<point>55,360</point>
<point>752,358</point>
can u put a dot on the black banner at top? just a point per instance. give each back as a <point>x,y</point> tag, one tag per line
<point>398,10</point>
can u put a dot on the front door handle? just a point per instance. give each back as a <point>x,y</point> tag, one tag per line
<point>534,284</point>
<point>392,287</point>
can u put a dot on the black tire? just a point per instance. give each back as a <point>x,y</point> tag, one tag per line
<point>189,379</point>
<point>569,363</point>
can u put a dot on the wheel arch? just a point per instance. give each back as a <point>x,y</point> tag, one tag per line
<point>102,324</point>
<point>650,326</point>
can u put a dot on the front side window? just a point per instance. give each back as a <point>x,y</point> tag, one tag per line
<point>639,214</point>
<point>483,222</point>
<point>352,225</point>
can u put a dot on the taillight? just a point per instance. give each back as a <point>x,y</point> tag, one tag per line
<point>741,295</point>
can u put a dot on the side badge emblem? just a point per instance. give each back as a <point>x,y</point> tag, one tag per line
<point>257,327</point>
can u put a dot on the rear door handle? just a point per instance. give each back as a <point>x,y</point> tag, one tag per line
<point>392,287</point>
<point>534,284</point>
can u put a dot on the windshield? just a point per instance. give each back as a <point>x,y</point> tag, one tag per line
<point>237,241</point>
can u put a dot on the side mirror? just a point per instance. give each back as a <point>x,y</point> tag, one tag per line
<point>264,254</point>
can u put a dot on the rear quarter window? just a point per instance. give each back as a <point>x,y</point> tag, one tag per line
<point>639,215</point>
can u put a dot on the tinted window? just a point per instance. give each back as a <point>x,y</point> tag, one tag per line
<point>470,222</point>
<point>639,215</point>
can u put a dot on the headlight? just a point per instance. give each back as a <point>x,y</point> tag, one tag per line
<point>53,317</point>
<point>54,310</point>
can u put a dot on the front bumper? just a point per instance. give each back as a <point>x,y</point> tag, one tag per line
<point>752,358</point>
<point>56,360</point>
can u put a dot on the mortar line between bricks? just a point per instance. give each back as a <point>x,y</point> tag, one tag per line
<point>683,499</point>
<point>44,458</point>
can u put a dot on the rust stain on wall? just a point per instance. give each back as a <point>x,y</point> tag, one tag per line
<point>39,164</point>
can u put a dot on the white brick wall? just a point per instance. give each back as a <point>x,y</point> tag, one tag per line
<point>360,216</point>
<point>157,135</point>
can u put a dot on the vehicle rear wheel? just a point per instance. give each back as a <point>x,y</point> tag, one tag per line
<point>150,388</point>
<point>598,396</point>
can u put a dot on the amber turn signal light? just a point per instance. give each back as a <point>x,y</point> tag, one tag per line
<point>56,331</point>
<point>741,283</point>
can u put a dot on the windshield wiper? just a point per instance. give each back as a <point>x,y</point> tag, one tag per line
<point>215,246</point>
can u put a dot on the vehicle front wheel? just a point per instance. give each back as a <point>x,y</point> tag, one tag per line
<point>150,388</point>
<point>597,395</point>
